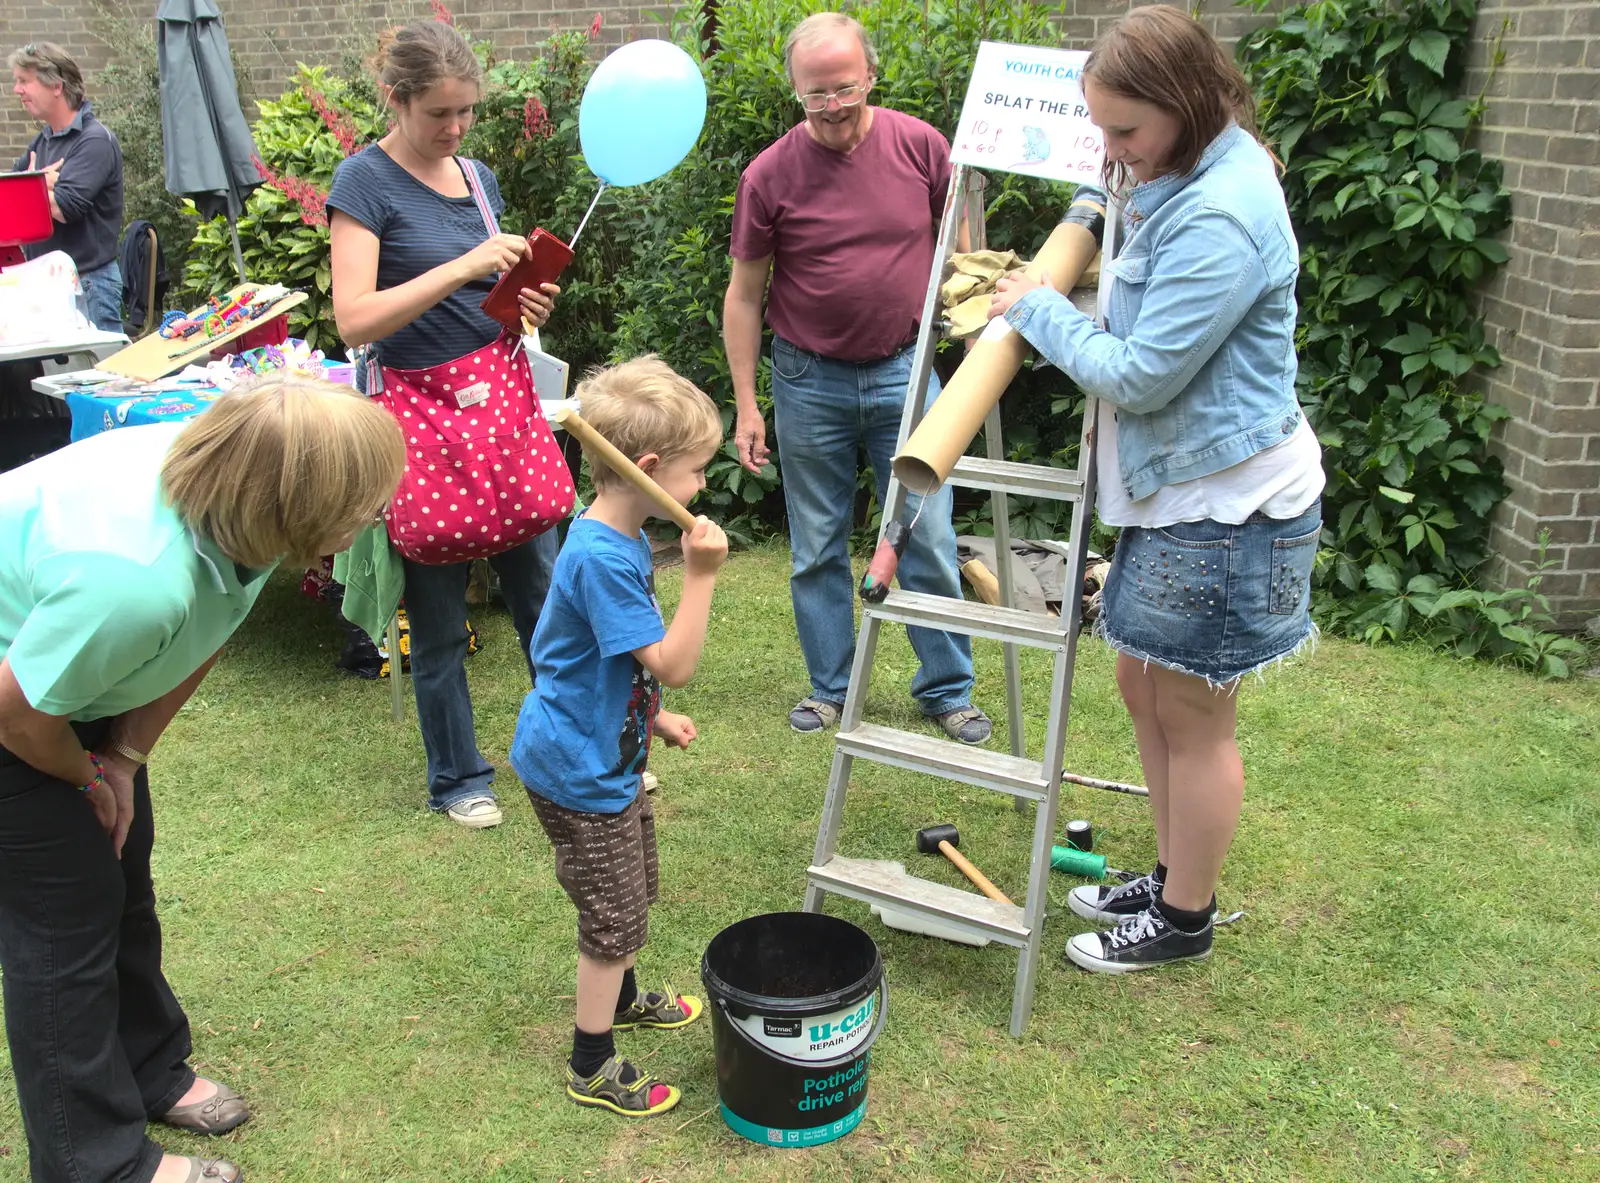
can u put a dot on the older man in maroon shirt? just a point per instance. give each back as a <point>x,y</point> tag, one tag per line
<point>842,213</point>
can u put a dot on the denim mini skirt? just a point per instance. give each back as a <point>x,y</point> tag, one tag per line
<point>1210,599</point>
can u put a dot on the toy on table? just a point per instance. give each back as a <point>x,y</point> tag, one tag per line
<point>219,314</point>
<point>226,313</point>
<point>177,325</point>
<point>293,355</point>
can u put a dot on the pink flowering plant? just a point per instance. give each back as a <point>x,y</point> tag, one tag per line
<point>300,140</point>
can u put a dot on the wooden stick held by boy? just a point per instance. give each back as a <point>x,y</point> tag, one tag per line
<point>572,421</point>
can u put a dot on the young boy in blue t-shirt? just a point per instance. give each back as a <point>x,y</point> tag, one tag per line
<point>583,736</point>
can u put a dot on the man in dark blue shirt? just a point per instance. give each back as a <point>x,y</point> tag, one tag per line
<point>82,162</point>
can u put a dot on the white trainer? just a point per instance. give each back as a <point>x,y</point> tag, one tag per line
<point>476,813</point>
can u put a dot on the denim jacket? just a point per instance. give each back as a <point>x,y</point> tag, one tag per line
<point>1198,349</point>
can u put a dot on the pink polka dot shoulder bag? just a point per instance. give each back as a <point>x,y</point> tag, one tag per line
<point>483,472</point>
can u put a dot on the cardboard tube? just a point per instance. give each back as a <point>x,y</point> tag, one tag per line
<point>597,444</point>
<point>959,412</point>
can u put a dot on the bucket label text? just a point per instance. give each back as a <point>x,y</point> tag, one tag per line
<point>818,1037</point>
<point>823,1091</point>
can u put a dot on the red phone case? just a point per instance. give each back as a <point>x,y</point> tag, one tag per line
<point>547,257</point>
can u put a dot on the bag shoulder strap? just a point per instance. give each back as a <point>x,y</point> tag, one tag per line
<point>475,183</point>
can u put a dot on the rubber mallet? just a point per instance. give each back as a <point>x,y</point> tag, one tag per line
<point>943,839</point>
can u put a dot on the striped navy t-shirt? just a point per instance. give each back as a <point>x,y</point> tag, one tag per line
<point>418,229</point>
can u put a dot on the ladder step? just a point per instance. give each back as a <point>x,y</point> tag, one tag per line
<point>1007,476</point>
<point>944,758</point>
<point>972,618</point>
<point>876,882</point>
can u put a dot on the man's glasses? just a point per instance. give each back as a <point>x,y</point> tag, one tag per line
<point>845,96</point>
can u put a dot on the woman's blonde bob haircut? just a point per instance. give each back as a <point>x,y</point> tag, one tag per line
<point>644,406</point>
<point>283,469</point>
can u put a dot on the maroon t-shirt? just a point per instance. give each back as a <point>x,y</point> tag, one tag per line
<point>851,237</point>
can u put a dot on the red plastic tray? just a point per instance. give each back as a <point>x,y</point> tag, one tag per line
<point>24,208</point>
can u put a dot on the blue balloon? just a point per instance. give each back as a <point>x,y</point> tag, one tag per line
<point>641,112</point>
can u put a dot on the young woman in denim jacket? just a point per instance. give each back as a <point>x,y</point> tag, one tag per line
<point>1204,461</point>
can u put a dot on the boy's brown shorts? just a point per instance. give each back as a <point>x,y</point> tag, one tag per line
<point>606,862</point>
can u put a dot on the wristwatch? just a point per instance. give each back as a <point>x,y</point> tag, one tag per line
<point>128,753</point>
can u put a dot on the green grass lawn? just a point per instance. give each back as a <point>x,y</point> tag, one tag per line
<point>1412,994</point>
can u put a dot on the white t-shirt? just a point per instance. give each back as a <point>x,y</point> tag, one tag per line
<point>1281,482</point>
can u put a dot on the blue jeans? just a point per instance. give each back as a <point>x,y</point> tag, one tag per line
<point>102,292</point>
<point>825,410</point>
<point>436,606</point>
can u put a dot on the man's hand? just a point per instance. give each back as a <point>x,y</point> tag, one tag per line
<point>676,730</point>
<point>52,173</point>
<point>750,435</point>
<point>1012,288</point>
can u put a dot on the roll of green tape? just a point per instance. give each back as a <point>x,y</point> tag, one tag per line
<point>1077,862</point>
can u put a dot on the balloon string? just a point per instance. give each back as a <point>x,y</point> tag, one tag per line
<point>574,243</point>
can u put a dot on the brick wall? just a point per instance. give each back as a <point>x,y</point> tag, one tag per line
<point>71,25</point>
<point>1084,20</point>
<point>1543,309</point>
<point>269,36</point>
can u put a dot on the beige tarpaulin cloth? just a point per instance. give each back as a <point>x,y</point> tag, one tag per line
<point>965,295</point>
<point>1038,569</point>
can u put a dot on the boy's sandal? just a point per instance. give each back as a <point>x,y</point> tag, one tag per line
<point>665,1010</point>
<point>644,1097</point>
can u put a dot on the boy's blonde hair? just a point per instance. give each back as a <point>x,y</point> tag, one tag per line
<point>644,406</point>
<point>283,468</point>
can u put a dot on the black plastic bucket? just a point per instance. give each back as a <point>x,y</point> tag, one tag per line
<point>797,1000</point>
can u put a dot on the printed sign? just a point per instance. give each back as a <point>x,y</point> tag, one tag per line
<point>1025,113</point>
<point>821,1037</point>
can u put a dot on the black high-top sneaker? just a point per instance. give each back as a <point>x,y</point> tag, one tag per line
<point>1144,941</point>
<point>1114,903</point>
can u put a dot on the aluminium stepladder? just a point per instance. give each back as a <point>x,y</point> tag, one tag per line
<point>1016,774</point>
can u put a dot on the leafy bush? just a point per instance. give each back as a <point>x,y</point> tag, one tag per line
<point>283,232</point>
<point>1513,626</point>
<point>652,267</point>
<point>1396,219</point>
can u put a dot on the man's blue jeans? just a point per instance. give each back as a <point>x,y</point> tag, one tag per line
<point>825,411</point>
<point>102,292</point>
<point>436,607</point>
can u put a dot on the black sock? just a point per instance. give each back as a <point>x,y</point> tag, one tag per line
<point>1160,873</point>
<point>1184,920</point>
<point>589,1052</point>
<point>629,992</point>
